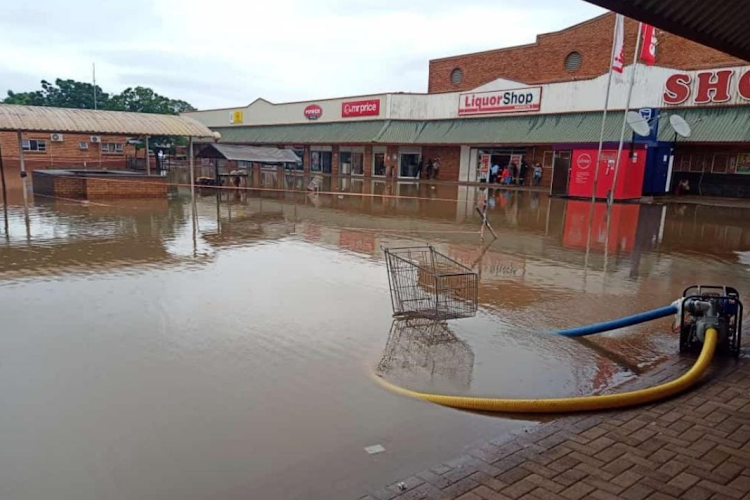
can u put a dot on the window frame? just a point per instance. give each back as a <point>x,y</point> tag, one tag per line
<point>26,145</point>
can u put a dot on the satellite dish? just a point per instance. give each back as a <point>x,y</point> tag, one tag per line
<point>680,125</point>
<point>639,124</point>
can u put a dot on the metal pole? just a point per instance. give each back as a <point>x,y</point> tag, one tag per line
<point>191,164</point>
<point>93,65</point>
<point>625,116</point>
<point>148,161</point>
<point>21,159</point>
<point>604,114</point>
<point>2,177</point>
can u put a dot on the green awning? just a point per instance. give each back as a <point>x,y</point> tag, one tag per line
<point>358,132</point>
<point>717,124</point>
<point>537,129</point>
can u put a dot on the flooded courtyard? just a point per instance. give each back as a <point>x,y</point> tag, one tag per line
<point>225,348</point>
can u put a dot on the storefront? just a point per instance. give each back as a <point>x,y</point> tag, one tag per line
<point>352,160</point>
<point>409,161</point>
<point>321,159</point>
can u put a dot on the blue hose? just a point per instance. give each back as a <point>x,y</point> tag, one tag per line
<point>606,326</point>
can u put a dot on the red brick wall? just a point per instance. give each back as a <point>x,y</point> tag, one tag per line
<point>335,161</point>
<point>64,154</point>
<point>137,187</point>
<point>367,164</point>
<point>99,188</point>
<point>543,61</point>
<point>450,160</point>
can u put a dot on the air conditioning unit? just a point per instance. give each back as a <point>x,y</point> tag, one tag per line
<point>56,137</point>
<point>96,139</point>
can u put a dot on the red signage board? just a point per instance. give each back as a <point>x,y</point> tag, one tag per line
<point>353,109</point>
<point>713,86</point>
<point>500,101</point>
<point>313,112</point>
<point>629,182</point>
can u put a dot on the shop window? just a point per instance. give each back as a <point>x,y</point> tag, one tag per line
<point>457,76</point>
<point>548,158</point>
<point>698,163</point>
<point>112,147</point>
<point>34,145</point>
<point>743,163</point>
<point>720,163</point>
<point>300,152</point>
<point>352,161</point>
<point>573,62</point>
<point>685,161</point>
<point>321,161</point>
<point>378,164</point>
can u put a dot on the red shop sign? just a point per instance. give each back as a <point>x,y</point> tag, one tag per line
<point>353,109</point>
<point>313,112</point>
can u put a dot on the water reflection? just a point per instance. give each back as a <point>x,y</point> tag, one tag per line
<point>425,353</point>
<point>217,315</point>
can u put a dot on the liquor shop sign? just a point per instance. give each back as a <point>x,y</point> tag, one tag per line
<point>500,101</point>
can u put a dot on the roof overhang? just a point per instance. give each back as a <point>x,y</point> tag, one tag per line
<point>49,119</point>
<point>721,24</point>
<point>249,153</point>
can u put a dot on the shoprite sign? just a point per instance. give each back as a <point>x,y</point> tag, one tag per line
<point>707,87</point>
<point>353,109</point>
<point>500,101</point>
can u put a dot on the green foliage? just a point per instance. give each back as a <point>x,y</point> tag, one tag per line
<point>73,94</point>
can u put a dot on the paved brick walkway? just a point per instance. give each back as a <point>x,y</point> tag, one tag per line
<point>694,447</point>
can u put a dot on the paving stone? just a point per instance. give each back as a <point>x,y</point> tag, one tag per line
<point>694,447</point>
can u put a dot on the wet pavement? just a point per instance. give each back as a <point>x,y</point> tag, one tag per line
<point>224,349</point>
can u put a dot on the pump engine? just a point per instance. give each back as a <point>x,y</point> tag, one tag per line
<point>708,306</point>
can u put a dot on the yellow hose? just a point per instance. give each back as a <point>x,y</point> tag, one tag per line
<point>574,404</point>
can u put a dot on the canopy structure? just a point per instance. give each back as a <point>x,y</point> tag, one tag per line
<point>47,119</point>
<point>721,24</point>
<point>249,154</point>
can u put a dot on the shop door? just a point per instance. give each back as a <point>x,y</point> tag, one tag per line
<point>408,165</point>
<point>560,177</point>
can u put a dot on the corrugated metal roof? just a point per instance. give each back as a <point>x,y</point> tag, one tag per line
<point>715,124</point>
<point>721,25</point>
<point>48,119</point>
<point>251,153</point>
<point>312,133</point>
<point>538,129</point>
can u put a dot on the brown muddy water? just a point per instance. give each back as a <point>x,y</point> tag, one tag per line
<point>152,350</point>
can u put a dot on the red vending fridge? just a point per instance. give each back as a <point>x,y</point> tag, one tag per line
<point>629,182</point>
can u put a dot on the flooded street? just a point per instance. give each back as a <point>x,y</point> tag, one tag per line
<point>158,349</point>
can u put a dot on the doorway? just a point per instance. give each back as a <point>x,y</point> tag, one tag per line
<point>560,173</point>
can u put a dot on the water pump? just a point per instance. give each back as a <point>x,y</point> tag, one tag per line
<point>709,306</point>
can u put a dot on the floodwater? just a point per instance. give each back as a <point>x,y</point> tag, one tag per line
<point>156,349</point>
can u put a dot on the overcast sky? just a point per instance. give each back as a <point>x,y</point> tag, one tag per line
<point>221,53</point>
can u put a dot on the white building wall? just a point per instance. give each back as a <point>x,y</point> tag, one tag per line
<point>563,97</point>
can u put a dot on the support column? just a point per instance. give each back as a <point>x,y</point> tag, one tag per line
<point>148,161</point>
<point>191,164</point>
<point>21,159</point>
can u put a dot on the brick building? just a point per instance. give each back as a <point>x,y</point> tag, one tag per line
<point>47,150</point>
<point>538,103</point>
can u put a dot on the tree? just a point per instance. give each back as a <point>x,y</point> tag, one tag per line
<point>73,94</point>
<point>62,94</point>
<point>145,100</point>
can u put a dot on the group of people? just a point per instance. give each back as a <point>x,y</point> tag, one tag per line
<point>513,174</point>
<point>432,168</point>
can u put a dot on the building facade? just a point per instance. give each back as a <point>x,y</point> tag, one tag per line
<point>47,150</point>
<point>539,103</point>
